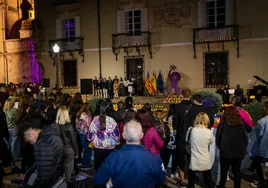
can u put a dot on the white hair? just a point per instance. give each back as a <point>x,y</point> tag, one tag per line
<point>63,116</point>
<point>132,131</point>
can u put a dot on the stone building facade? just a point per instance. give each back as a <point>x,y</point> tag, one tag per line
<point>18,63</point>
<point>211,42</point>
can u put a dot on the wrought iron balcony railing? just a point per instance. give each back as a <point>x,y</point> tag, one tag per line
<point>216,34</point>
<point>68,45</point>
<point>131,40</point>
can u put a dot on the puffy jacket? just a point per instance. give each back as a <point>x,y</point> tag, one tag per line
<point>246,118</point>
<point>152,141</point>
<point>49,155</point>
<point>67,134</point>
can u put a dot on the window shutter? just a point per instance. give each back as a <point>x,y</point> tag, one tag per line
<point>229,12</point>
<point>77,26</point>
<point>202,15</point>
<point>59,29</point>
<point>144,19</point>
<point>121,28</point>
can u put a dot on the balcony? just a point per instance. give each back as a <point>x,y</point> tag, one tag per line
<point>131,40</point>
<point>68,45</point>
<point>216,34</point>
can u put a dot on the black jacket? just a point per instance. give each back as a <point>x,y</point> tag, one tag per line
<point>232,141</point>
<point>3,125</point>
<point>49,155</point>
<point>183,124</point>
<point>68,136</point>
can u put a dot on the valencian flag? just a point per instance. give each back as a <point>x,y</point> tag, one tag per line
<point>154,84</point>
<point>148,84</point>
<point>160,83</point>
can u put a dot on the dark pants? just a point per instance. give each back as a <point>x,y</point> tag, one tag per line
<point>225,166</point>
<point>256,165</point>
<point>99,157</point>
<point>1,175</point>
<point>68,162</point>
<point>206,175</point>
<point>27,154</point>
<point>165,154</point>
<point>111,93</point>
<point>87,151</point>
<point>95,91</point>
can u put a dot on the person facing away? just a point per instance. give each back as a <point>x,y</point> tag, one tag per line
<point>232,141</point>
<point>262,148</point>
<point>151,140</point>
<point>132,165</point>
<point>200,137</point>
<point>239,92</point>
<point>67,134</point>
<point>49,150</point>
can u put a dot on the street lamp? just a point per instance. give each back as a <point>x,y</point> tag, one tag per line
<point>56,50</point>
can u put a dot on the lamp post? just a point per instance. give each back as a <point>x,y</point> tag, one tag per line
<point>56,50</point>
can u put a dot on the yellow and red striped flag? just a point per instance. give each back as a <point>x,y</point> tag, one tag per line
<point>148,84</point>
<point>154,84</point>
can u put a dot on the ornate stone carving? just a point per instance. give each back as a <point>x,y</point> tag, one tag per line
<point>173,15</point>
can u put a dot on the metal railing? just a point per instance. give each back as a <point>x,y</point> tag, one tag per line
<point>68,44</point>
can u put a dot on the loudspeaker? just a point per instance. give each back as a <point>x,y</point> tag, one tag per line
<point>46,82</point>
<point>86,86</point>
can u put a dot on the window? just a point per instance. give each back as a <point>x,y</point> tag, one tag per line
<point>216,13</point>
<point>69,28</point>
<point>70,73</point>
<point>133,21</point>
<point>216,69</point>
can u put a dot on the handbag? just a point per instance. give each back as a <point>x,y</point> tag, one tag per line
<point>188,139</point>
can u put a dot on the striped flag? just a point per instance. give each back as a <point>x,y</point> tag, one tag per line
<point>148,84</point>
<point>154,84</point>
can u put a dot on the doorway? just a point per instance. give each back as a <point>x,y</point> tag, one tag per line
<point>134,68</point>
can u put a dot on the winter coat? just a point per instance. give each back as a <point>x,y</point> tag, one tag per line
<point>232,141</point>
<point>152,141</point>
<point>262,137</point>
<point>49,153</point>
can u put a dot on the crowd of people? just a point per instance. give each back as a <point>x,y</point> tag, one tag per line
<point>59,135</point>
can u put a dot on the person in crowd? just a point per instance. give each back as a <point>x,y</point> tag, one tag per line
<point>76,105</point>
<point>67,134</point>
<point>262,148</point>
<point>226,95</point>
<point>121,87</point>
<point>120,113</point>
<point>50,112</point>
<point>41,98</point>
<point>128,103</point>
<point>246,118</point>
<point>151,140</point>
<point>49,150</point>
<point>110,110</point>
<point>171,145</point>
<point>98,106</point>
<point>11,109</point>
<point>125,86</point>
<point>239,92</point>
<point>129,115</point>
<point>59,99</point>
<point>115,79</point>
<point>220,91</point>
<point>105,88</point>
<point>3,96</point>
<point>116,89</point>
<point>110,87</point>
<point>100,87</point>
<point>54,93</point>
<point>230,131</point>
<point>200,137</point>
<point>95,86</point>
<point>83,120</point>
<point>154,121</point>
<point>132,165</point>
<point>26,149</point>
<point>105,135</point>
<point>130,87</point>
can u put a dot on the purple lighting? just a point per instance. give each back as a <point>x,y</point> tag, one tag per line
<point>36,70</point>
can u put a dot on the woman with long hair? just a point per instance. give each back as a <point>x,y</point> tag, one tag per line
<point>83,120</point>
<point>105,135</point>
<point>262,147</point>
<point>151,140</point>
<point>232,141</point>
<point>129,115</point>
<point>67,134</point>
<point>200,137</point>
<point>11,110</point>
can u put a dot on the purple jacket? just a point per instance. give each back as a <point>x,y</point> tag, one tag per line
<point>152,141</point>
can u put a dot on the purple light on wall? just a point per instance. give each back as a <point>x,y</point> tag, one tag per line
<point>36,71</point>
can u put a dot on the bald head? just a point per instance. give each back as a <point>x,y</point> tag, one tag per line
<point>133,132</point>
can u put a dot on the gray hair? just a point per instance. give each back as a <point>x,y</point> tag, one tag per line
<point>132,131</point>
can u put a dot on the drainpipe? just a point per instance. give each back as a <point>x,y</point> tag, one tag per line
<point>4,9</point>
<point>99,34</point>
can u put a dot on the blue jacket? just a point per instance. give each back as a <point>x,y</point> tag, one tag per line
<point>131,166</point>
<point>262,137</point>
